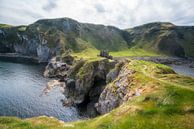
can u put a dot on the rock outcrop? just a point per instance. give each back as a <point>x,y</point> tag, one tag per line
<point>56,68</point>
<point>97,86</point>
<point>117,92</point>
<point>25,43</point>
<point>84,81</point>
<point>88,84</point>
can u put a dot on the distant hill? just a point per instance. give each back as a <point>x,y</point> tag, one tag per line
<point>49,37</point>
<point>164,37</point>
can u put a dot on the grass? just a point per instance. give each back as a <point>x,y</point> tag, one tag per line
<point>133,52</point>
<point>168,103</point>
<point>22,28</point>
<point>4,26</point>
<point>87,53</point>
<point>92,53</point>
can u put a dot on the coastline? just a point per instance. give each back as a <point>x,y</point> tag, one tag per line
<point>19,58</point>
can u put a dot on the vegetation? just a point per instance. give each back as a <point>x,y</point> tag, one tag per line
<point>168,100</point>
<point>4,26</point>
<point>163,37</point>
<point>87,40</point>
<point>167,103</point>
<point>92,53</point>
<point>134,52</point>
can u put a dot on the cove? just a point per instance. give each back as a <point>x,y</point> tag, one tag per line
<point>21,86</point>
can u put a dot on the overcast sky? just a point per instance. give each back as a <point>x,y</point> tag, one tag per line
<point>120,13</point>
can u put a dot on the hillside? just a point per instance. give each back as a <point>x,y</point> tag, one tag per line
<point>50,37</point>
<point>165,38</point>
<point>165,101</point>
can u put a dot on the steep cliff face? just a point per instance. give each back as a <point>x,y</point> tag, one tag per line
<point>99,86</point>
<point>50,37</point>
<point>19,40</point>
<point>89,82</point>
<point>84,79</point>
<point>117,92</point>
<point>165,38</point>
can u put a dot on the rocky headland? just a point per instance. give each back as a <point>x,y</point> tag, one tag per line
<point>122,87</point>
<point>97,86</point>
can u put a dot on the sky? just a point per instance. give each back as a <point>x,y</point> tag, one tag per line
<point>119,13</point>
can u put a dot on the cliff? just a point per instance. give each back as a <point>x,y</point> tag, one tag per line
<point>50,37</point>
<point>140,95</point>
<point>47,38</point>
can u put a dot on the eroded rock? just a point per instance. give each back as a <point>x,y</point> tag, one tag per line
<point>56,68</point>
<point>89,82</point>
<point>117,92</point>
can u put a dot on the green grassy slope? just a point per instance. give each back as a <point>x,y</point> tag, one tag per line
<point>165,38</point>
<point>78,36</point>
<point>86,40</point>
<point>66,34</point>
<point>4,25</point>
<point>167,102</point>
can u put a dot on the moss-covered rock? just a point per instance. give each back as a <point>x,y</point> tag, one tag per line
<point>90,80</point>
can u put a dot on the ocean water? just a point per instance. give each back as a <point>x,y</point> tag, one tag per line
<point>21,86</point>
<point>183,70</point>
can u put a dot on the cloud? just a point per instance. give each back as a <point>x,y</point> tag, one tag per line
<point>50,5</point>
<point>99,8</point>
<point>123,13</point>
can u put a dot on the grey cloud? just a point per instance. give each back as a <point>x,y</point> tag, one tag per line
<point>50,5</point>
<point>99,8</point>
<point>185,21</point>
<point>6,19</point>
<point>31,14</point>
<point>123,14</point>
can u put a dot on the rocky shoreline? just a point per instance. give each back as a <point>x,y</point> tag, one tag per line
<point>86,83</point>
<point>19,58</point>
